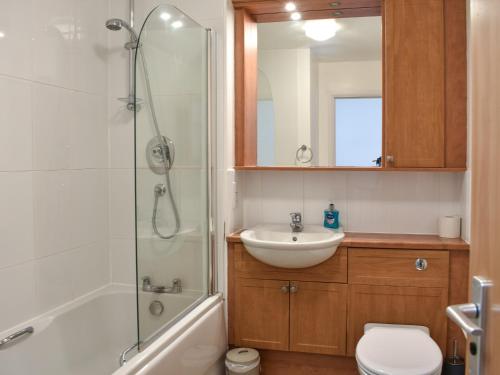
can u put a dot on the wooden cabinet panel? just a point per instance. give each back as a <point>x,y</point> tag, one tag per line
<point>318,315</point>
<point>331,270</point>
<point>398,267</point>
<point>261,314</point>
<point>414,89</point>
<point>396,305</point>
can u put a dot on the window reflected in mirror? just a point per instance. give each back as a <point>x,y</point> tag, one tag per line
<point>320,93</point>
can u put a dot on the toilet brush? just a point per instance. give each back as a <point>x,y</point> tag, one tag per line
<point>454,365</point>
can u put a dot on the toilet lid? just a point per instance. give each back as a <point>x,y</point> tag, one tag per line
<point>398,351</point>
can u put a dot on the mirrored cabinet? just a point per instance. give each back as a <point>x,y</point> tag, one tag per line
<point>361,85</point>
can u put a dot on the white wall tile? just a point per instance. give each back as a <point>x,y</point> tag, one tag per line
<point>16,129</point>
<point>122,203</point>
<point>121,135</point>
<point>18,303</point>
<point>392,202</point>
<point>90,47</point>
<point>90,268</point>
<point>53,281</point>
<point>321,189</point>
<point>122,260</point>
<point>88,206</point>
<point>16,221</point>
<point>52,212</point>
<point>89,132</point>
<point>281,194</point>
<point>53,115</point>
<point>54,33</point>
<point>17,43</point>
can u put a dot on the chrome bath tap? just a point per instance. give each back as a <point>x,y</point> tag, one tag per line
<point>147,286</point>
<point>296,223</point>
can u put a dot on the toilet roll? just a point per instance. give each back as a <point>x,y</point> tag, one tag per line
<point>449,226</point>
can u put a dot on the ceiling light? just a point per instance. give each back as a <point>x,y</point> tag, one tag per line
<point>290,7</point>
<point>2,34</point>
<point>165,16</point>
<point>321,30</point>
<point>295,16</point>
<point>177,24</point>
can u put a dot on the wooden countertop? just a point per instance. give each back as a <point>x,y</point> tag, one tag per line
<point>391,241</point>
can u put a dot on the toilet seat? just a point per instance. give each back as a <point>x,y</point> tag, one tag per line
<point>393,350</point>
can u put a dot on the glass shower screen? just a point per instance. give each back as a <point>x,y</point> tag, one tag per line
<point>171,168</point>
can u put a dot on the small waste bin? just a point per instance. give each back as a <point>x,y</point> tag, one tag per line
<point>242,361</point>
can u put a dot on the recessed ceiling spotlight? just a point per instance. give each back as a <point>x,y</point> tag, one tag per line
<point>177,24</point>
<point>290,7</point>
<point>295,16</point>
<point>2,34</point>
<point>165,16</point>
<point>321,30</point>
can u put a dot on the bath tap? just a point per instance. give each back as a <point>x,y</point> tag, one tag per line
<point>147,286</point>
<point>296,223</point>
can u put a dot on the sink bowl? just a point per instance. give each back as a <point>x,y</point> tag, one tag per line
<point>277,246</point>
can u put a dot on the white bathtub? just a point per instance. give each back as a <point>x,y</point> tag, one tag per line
<point>86,336</point>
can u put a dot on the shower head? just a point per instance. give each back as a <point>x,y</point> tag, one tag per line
<point>116,24</point>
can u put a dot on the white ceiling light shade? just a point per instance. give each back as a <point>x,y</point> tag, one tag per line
<point>290,7</point>
<point>295,16</point>
<point>321,30</point>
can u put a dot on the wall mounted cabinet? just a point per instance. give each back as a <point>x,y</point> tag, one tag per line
<point>424,79</point>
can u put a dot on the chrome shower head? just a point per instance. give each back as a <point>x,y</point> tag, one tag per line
<point>116,24</point>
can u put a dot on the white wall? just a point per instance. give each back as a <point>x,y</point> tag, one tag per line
<point>288,72</point>
<point>371,202</point>
<point>53,154</point>
<point>347,78</point>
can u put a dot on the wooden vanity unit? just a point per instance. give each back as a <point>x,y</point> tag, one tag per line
<point>310,319</point>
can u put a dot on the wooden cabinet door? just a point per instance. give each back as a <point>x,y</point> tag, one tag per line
<point>261,314</point>
<point>318,317</point>
<point>414,87</point>
<point>396,305</point>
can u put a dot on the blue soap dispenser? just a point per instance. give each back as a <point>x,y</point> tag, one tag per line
<point>331,217</point>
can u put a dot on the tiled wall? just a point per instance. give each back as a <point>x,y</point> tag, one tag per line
<point>373,202</point>
<point>53,154</point>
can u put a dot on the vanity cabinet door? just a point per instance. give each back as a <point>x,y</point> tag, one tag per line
<point>396,305</point>
<point>318,317</point>
<point>414,71</point>
<point>261,314</point>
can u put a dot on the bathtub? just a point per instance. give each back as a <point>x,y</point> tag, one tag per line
<point>87,336</point>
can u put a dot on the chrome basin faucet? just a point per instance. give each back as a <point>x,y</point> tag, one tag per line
<point>147,286</point>
<point>296,223</point>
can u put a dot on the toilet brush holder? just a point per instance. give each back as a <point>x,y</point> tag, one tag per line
<point>454,365</point>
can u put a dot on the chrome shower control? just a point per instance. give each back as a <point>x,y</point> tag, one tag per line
<point>421,264</point>
<point>160,154</point>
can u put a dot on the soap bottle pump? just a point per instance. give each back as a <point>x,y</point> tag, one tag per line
<point>331,217</point>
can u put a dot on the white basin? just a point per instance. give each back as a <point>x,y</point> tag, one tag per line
<point>277,246</point>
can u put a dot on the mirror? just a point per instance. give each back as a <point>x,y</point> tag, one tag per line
<point>319,100</point>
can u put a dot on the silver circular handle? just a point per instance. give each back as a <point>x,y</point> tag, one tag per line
<point>421,264</point>
<point>294,289</point>
<point>285,289</point>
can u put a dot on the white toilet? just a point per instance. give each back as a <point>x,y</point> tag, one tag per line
<point>389,349</point>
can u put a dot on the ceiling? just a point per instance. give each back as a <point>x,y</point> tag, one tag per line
<point>358,39</point>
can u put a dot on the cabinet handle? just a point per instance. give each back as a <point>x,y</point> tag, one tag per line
<point>294,289</point>
<point>389,159</point>
<point>285,289</point>
<point>421,264</point>
<point>335,4</point>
